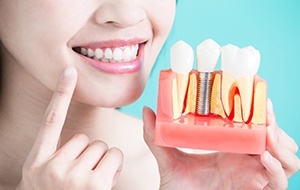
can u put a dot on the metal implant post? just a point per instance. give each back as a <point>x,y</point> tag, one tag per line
<point>204,93</point>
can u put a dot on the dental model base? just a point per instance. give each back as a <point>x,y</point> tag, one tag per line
<point>234,118</point>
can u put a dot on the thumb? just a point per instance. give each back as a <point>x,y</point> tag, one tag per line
<point>163,155</point>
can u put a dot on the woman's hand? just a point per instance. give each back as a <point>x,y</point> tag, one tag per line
<point>79,164</point>
<point>270,170</point>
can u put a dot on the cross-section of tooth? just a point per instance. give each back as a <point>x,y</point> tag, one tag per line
<point>182,59</point>
<point>208,53</point>
<point>239,68</point>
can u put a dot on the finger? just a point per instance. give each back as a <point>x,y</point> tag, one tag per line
<point>48,137</point>
<point>288,159</point>
<point>73,148</point>
<point>163,155</point>
<point>270,113</point>
<point>110,165</point>
<point>92,155</point>
<point>275,173</point>
<point>271,121</point>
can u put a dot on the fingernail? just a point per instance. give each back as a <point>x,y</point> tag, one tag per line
<point>270,105</point>
<point>69,73</point>
<point>269,157</point>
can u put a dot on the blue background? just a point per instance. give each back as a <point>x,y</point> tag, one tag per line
<point>272,27</point>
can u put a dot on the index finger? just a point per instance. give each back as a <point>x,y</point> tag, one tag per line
<point>54,118</point>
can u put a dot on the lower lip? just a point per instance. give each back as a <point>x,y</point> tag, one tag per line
<point>118,67</point>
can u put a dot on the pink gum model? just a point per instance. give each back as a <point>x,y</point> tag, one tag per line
<point>211,132</point>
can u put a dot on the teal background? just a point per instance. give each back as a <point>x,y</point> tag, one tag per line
<point>272,27</point>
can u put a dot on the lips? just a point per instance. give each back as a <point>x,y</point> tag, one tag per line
<point>114,57</point>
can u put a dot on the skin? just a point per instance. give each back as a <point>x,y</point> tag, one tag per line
<point>37,38</point>
<point>63,129</point>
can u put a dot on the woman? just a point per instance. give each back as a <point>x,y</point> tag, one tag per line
<point>66,66</point>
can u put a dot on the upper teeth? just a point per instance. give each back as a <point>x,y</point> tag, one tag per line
<point>118,54</point>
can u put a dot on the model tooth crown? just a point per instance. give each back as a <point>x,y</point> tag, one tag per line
<point>208,53</point>
<point>240,62</point>
<point>182,57</point>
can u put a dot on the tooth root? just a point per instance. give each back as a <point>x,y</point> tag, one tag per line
<point>182,83</point>
<point>191,94</point>
<point>216,104</point>
<point>228,83</point>
<point>260,104</point>
<point>237,109</point>
<point>245,85</point>
<point>176,112</point>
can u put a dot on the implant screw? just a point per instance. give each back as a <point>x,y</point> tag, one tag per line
<point>204,93</point>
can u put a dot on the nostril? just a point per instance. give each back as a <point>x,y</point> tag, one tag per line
<point>124,15</point>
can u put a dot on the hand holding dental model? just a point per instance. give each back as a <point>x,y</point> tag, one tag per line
<point>268,157</point>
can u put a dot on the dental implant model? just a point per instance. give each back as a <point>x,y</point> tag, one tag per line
<point>213,110</point>
<point>208,53</point>
<point>182,59</point>
<point>239,67</point>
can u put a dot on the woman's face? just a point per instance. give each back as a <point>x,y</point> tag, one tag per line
<point>112,43</point>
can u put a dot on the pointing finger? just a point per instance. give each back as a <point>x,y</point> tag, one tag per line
<point>49,134</point>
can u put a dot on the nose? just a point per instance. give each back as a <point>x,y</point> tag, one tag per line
<point>120,13</point>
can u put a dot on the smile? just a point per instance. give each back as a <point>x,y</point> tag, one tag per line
<point>115,59</point>
<point>112,55</point>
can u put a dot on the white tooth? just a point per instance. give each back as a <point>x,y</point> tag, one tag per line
<point>118,54</point>
<point>108,54</point>
<point>182,59</point>
<point>126,53</point>
<point>242,64</point>
<point>99,53</point>
<point>90,53</point>
<point>132,52</point>
<point>83,51</point>
<point>208,53</point>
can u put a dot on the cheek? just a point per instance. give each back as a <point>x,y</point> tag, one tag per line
<point>36,34</point>
<point>162,16</point>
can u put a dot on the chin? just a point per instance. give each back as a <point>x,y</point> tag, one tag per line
<point>111,98</point>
